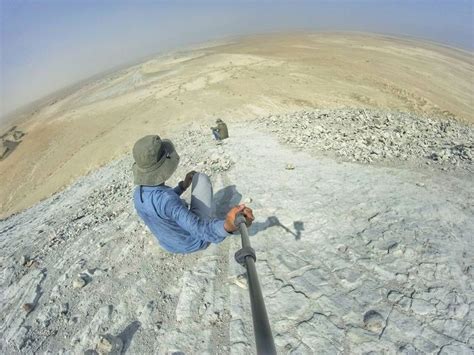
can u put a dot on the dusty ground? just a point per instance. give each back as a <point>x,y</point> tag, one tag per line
<point>353,258</point>
<point>255,76</point>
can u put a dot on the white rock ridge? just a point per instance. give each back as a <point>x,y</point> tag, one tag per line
<point>352,258</point>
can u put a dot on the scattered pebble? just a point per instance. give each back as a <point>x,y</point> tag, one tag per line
<point>373,321</point>
<point>28,307</point>
<point>342,248</point>
<point>109,345</point>
<point>24,260</point>
<point>240,280</point>
<point>79,282</point>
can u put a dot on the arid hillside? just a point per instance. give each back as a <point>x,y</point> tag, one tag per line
<point>255,76</point>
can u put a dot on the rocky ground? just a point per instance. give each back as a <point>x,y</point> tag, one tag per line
<point>372,256</point>
<point>371,136</point>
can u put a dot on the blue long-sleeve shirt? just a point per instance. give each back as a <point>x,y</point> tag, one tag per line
<point>177,229</point>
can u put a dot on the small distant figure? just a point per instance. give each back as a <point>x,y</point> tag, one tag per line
<point>220,132</point>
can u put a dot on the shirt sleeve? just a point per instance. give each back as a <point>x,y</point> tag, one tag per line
<point>179,191</point>
<point>209,230</point>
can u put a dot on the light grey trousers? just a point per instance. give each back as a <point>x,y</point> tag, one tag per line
<point>201,196</point>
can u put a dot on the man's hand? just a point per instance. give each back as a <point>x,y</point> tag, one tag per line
<point>232,214</point>
<point>188,180</point>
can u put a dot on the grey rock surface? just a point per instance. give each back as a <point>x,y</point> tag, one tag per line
<point>370,136</point>
<point>352,258</point>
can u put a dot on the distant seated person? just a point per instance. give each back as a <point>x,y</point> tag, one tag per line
<point>177,228</point>
<point>220,132</point>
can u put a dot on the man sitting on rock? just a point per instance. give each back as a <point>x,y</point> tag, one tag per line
<point>177,228</point>
<point>220,132</point>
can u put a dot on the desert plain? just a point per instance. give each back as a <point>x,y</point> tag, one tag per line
<point>81,129</point>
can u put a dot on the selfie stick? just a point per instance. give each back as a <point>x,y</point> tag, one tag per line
<point>261,326</point>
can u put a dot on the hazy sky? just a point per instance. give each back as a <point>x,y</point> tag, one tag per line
<point>49,44</point>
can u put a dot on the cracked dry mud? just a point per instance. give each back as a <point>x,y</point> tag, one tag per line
<point>352,258</point>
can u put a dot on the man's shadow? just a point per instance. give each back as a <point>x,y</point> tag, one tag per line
<point>228,197</point>
<point>225,199</point>
<point>274,221</point>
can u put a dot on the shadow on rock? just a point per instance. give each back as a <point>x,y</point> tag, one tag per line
<point>127,334</point>
<point>228,197</point>
<point>115,345</point>
<point>272,221</point>
<point>225,199</point>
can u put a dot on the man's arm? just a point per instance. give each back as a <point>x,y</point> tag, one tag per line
<point>179,189</point>
<point>209,230</point>
<point>184,184</point>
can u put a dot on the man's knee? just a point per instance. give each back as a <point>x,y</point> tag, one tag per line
<point>201,195</point>
<point>200,178</point>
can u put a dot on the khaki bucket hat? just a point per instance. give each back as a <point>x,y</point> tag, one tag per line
<point>155,160</point>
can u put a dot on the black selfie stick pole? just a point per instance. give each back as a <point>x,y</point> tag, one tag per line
<point>261,325</point>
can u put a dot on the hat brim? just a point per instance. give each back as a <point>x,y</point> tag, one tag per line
<point>161,173</point>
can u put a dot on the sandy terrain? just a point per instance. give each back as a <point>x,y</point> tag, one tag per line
<point>352,258</point>
<point>254,76</point>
